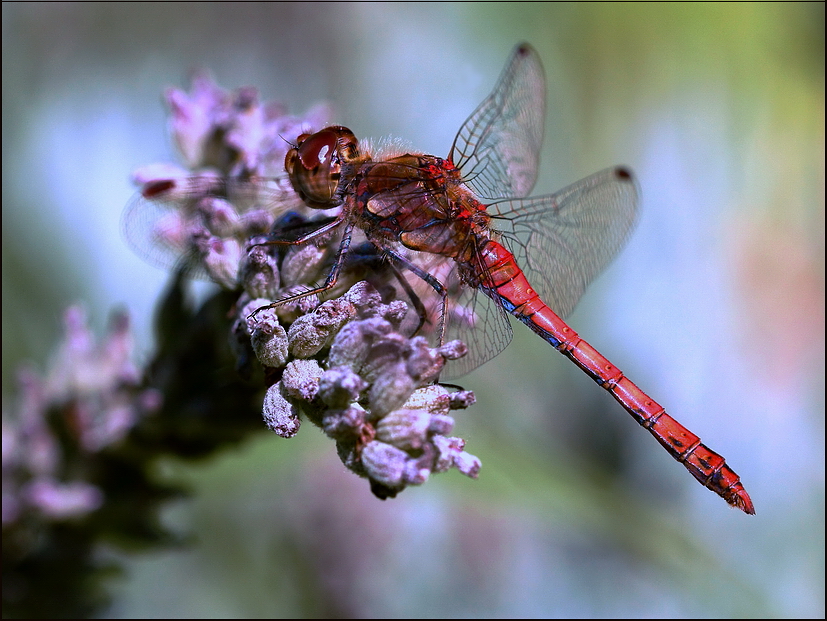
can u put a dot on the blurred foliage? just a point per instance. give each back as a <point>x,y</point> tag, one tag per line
<point>52,568</point>
<point>718,106</point>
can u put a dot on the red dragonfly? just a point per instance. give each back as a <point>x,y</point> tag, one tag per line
<point>524,256</point>
<point>459,225</point>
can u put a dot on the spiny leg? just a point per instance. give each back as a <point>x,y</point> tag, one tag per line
<point>292,226</point>
<point>435,284</point>
<point>333,274</point>
<point>303,239</point>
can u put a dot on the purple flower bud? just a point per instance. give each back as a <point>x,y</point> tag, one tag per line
<point>219,216</point>
<point>462,399</point>
<point>267,336</point>
<point>364,297</point>
<point>247,131</point>
<point>447,452</point>
<point>100,428</point>
<point>340,386</point>
<point>42,454</point>
<point>310,333</point>
<point>423,364</point>
<point>395,312</point>
<point>468,464</point>
<point>194,117</point>
<point>61,501</point>
<point>302,264</point>
<point>259,273</point>
<point>304,337</point>
<point>301,378</point>
<point>256,313</point>
<point>415,474</point>
<point>433,398</point>
<point>280,415</point>
<point>441,425</point>
<point>345,424</point>
<point>222,258</point>
<point>452,350</point>
<point>386,351</point>
<point>403,428</point>
<point>384,463</point>
<point>255,219</point>
<point>354,342</point>
<point>390,390</point>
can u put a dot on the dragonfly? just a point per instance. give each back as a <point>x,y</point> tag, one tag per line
<point>476,245</point>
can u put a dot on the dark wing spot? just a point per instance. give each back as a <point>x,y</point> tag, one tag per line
<point>155,188</point>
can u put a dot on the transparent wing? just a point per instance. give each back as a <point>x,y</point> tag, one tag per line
<point>167,221</point>
<point>470,316</point>
<point>563,240</point>
<point>480,323</point>
<point>498,146</point>
<point>153,228</point>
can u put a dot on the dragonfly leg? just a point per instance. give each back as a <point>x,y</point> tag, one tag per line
<point>332,276</point>
<point>303,239</point>
<point>434,283</point>
<point>419,307</point>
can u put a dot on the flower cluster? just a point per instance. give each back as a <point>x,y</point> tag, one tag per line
<point>375,395</point>
<point>347,363</point>
<point>201,216</point>
<point>81,448</point>
<point>91,394</point>
<point>233,132</point>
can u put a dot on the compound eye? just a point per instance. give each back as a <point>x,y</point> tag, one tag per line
<point>318,150</point>
<point>315,165</point>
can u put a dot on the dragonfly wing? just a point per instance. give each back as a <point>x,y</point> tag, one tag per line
<point>562,241</point>
<point>470,316</point>
<point>498,146</point>
<point>168,219</point>
<point>480,323</point>
<point>154,230</point>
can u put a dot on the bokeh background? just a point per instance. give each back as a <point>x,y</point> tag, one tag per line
<point>716,306</point>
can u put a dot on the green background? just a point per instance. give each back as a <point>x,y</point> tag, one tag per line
<point>716,306</point>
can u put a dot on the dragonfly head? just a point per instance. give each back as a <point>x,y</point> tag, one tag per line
<point>315,165</point>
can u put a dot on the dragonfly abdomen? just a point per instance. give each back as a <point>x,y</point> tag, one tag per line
<point>506,283</point>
